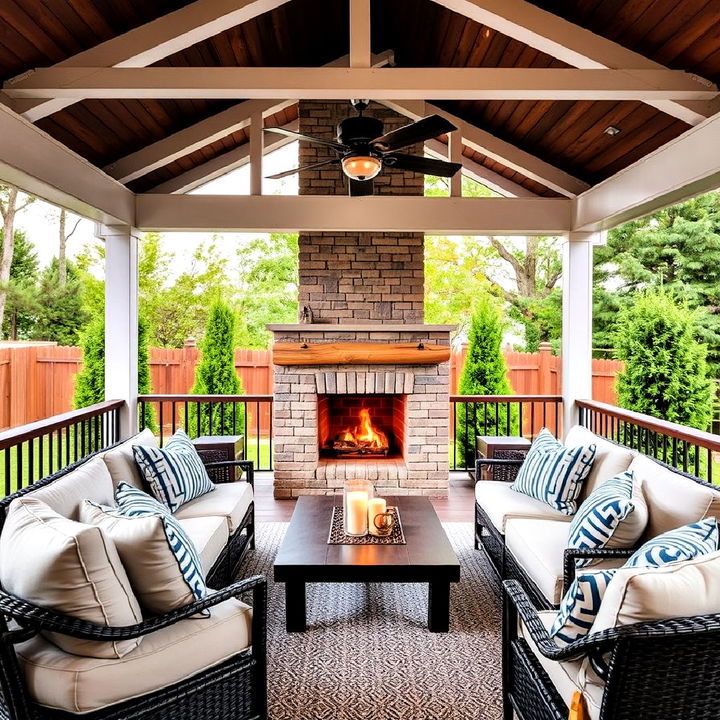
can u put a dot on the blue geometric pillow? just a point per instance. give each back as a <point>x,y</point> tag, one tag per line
<point>607,518</point>
<point>553,473</point>
<point>580,606</point>
<point>174,473</point>
<point>684,543</point>
<point>132,502</point>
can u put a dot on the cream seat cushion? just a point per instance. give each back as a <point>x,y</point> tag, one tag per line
<point>228,500</point>
<point>121,462</point>
<point>569,675</point>
<point>680,589</point>
<point>672,499</point>
<point>144,549</point>
<point>73,568</point>
<point>209,535</point>
<point>610,459</point>
<point>539,548</point>
<point>501,503</point>
<point>80,684</point>
<point>91,481</point>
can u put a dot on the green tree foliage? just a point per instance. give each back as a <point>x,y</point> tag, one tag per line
<point>90,381</point>
<point>484,373</point>
<point>268,287</point>
<point>665,372</point>
<point>216,375</point>
<point>677,248</point>
<point>59,312</point>
<point>21,300</point>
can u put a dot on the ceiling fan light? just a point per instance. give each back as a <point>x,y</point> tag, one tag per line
<point>361,167</point>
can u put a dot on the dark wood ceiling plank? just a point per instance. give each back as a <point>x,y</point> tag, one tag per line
<point>451,40</point>
<point>17,18</point>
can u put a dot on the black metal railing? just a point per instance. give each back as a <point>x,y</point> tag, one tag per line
<point>498,415</point>
<point>246,415</point>
<point>684,448</point>
<point>31,452</point>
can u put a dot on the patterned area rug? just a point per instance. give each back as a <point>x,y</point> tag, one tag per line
<point>367,652</point>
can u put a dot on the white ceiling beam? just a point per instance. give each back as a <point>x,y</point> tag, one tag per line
<point>156,40</point>
<point>222,164</point>
<point>479,173</point>
<point>40,165</point>
<point>273,213</point>
<point>342,83</point>
<point>572,44</point>
<point>360,34</point>
<point>207,131</point>
<point>683,168</point>
<point>499,150</point>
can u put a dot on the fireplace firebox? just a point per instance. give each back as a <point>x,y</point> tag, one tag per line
<point>355,427</point>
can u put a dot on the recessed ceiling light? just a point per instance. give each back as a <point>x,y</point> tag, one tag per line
<point>611,130</point>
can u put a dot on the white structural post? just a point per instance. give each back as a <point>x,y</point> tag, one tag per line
<point>256,153</point>
<point>121,322</point>
<point>577,324</point>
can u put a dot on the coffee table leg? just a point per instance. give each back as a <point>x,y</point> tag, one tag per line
<point>439,606</point>
<point>295,620</point>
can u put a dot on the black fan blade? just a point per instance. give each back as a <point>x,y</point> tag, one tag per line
<point>307,138</point>
<point>358,188</point>
<point>287,173</point>
<point>416,132</point>
<point>415,163</point>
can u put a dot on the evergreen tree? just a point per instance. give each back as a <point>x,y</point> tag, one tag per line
<point>484,373</point>
<point>216,375</point>
<point>21,303</point>
<point>59,313</point>
<point>666,373</point>
<point>90,381</point>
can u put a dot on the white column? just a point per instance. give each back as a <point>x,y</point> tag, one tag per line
<point>360,53</point>
<point>256,153</point>
<point>577,324</point>
<point>121,322</point>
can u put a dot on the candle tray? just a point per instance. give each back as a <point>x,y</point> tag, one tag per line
<point>337,534</point>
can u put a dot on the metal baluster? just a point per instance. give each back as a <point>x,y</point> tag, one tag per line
<point>161,405</point>
<point>8,484</point>
<point>709,465</point>
<point>270,446</point>
<point>697,460</point>
<point>454,435</point>
<point>257,410</point>
<point>685,456</point>
<point>532,420</point>
<point>173,410</point>
<point>31,461</point>
<point>186,419</point>
<point>19,464</point>
<point>674,452</point>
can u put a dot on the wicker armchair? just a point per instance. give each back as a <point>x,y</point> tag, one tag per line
<point>233,690</point>
<point>663,670</point>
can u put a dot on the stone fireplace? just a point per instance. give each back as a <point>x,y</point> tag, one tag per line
<point>364,290</point>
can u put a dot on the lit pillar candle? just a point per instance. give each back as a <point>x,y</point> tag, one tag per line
<point>357,512</point>
<point>376,506</point>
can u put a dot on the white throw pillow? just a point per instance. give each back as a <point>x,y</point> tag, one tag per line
<point>681,589</point>
<point>614,515</point>
<point>151,565</point>
<point>70,567</point>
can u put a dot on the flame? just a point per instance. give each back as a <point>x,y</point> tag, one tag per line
<point>365,435</point>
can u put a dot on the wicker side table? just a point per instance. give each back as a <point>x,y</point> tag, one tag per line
<point>501,448</point>
<point>216,448</point>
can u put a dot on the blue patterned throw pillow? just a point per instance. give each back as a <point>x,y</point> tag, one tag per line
<point>175,472</point>
<point>611,516</point>
<point>580,606</point>
<point>684,543</point>
<point>553,473</point>
<point>132,502</point>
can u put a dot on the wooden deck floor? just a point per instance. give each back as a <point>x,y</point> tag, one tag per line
<point>457,507</point>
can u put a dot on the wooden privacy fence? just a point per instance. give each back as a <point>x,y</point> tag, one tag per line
<point>37,380</point>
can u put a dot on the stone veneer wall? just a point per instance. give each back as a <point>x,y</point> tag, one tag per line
<point>357,276</point>
<point>298,467</point>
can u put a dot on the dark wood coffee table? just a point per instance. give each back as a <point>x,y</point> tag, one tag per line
<point>306,557</point>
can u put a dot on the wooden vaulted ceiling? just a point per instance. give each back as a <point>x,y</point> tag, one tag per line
<point>682,34</point>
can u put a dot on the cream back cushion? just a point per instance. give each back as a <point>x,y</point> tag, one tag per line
<point>151,565</point>
<point>63,565</point>
<point>681,589</point>
<point>672,499</point>
<point>90,481</point>
<point>121,463</point>
<point>610,459</point>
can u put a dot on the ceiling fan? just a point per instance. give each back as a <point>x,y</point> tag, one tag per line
<point>363,149</point>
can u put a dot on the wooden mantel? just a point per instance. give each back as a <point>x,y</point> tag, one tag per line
<point>359,353</point>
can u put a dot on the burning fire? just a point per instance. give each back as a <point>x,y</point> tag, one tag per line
<point>364,437</point>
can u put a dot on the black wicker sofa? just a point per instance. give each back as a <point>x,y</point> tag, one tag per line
<point>231,687</point>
